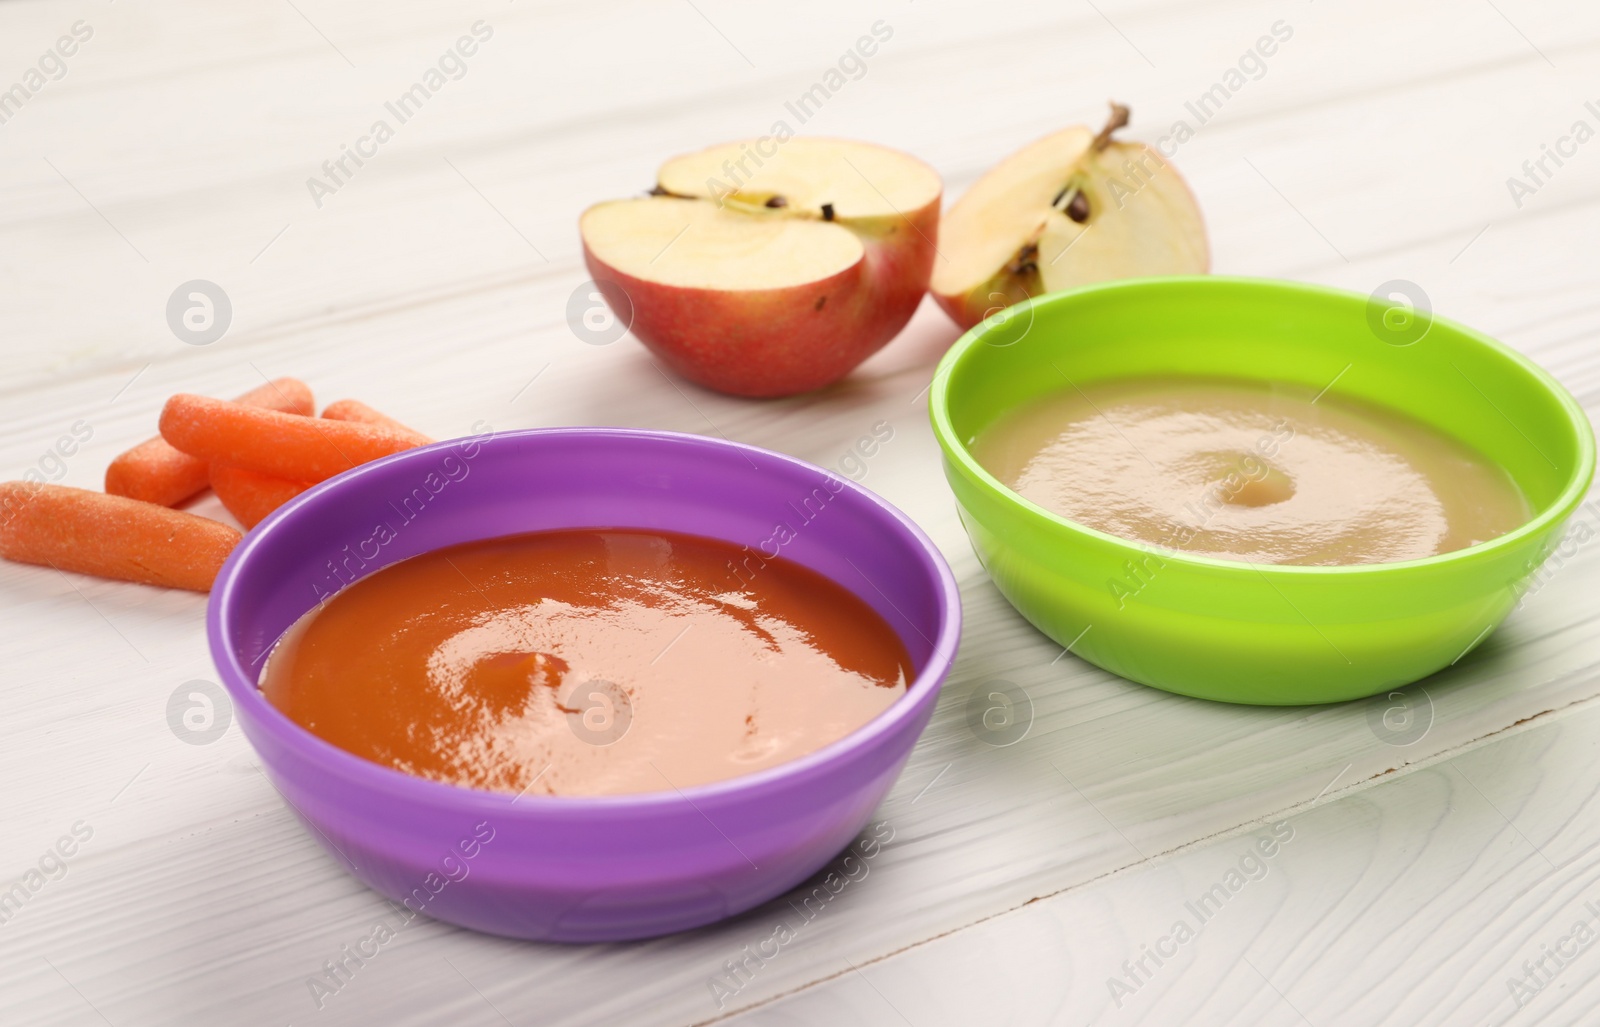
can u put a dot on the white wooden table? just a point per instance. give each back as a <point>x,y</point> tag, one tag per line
<point>1420,876</point>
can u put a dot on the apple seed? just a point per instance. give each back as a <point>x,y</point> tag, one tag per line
<point>1024,261</point>
<point>1078,207</point>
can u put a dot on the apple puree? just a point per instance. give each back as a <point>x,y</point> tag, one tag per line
<point>1250,471</point>
<point>587,662</point>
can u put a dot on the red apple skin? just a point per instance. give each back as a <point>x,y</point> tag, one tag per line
<point>967,309</point>
<point>958,309</point>
<point>778,342</point>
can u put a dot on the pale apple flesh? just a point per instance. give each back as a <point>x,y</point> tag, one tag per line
<point>1070,209</point>
<point>772,272</point>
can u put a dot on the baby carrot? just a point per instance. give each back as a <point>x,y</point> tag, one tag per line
<point>355,410</point>
<point>111,536</point>
<point>268,442</point>
<point>250,496</point>
<point>156,473</point>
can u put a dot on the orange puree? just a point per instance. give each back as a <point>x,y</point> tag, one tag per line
<point>587,662</point>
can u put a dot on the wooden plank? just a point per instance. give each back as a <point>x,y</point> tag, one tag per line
<point>1465,892</point>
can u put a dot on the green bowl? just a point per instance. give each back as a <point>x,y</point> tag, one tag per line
<point>1248,633</point>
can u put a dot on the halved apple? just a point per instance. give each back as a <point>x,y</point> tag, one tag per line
<point>771,267</point>
<point>1072,208</point>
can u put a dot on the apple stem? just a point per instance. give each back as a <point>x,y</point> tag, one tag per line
<point>827,212</point>
<point>1118,119</point>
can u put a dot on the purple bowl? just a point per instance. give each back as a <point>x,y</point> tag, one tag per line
<point>581,869</point>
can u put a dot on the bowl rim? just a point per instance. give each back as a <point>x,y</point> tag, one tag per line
<point>958,456</point>
<point>922,691</point>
